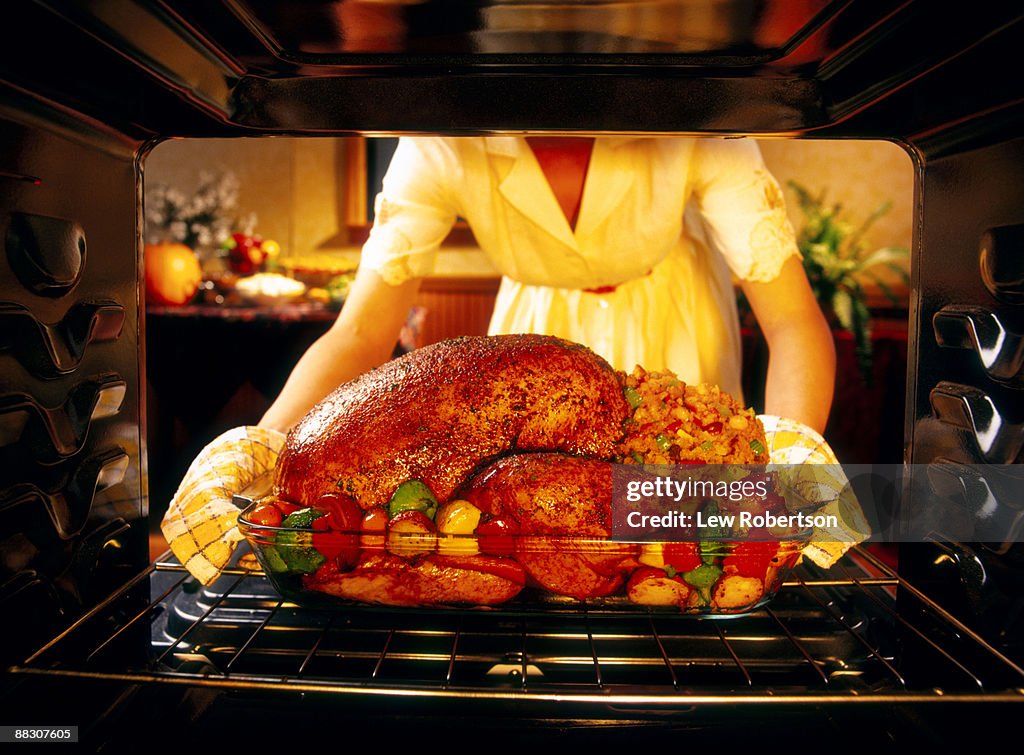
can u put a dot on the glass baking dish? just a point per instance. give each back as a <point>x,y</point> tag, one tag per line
<point>318,563</point>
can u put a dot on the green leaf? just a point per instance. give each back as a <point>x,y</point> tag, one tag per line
<point>878,212</point>
<point>833,257</point>
<point>807,203</point>
<point>884,256</point>
<point>842,305</point>
<point>862,339</point>
<point>819,253</point>
<point>861,317</point>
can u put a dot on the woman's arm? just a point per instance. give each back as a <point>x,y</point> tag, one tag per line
<point>361,338</point>
<point>801,351</point>
<point>745,216</point>
<point>413,214</point>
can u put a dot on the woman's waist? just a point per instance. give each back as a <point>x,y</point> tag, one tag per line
<point>582,278</point>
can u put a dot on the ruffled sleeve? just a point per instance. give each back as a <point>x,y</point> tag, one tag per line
<point>414,211</point>
<point>742,207</point>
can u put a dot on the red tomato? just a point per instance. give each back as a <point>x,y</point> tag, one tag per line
<point>751,559</point>
<point>266,514</point>
<point>496,536</point>
<point>344,512</point>
<point>341,547</point>
<point>375,520</point>
<point>285,507</point>
<point>682,557</point>
<point>373,526</point>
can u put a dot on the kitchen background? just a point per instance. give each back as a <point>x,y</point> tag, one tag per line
<point>297,186</point>
<point>213,367</point>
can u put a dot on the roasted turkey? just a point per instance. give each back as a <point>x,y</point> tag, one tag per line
<point>439,412</point>
<point>477,466</point>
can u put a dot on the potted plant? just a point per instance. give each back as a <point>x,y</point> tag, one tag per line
<point>838,262</point>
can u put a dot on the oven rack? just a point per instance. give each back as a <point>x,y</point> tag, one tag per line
<point>858,634</point>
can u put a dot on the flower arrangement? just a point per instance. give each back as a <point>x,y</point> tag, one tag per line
<point>203,219</point>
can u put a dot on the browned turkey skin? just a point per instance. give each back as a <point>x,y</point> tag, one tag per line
<point>439,412</point>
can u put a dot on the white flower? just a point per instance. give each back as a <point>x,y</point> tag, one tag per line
<point>203,218</point>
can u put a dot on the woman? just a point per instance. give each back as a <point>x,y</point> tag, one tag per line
<point>628,245</point>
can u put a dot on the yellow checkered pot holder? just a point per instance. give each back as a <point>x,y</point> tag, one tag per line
<point>201,524</point>
<point>812,469</point>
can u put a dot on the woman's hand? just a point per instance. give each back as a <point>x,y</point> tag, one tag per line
<point>362,338</point>
<point>801,350</point>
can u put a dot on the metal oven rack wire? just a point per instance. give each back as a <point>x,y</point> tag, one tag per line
<point>856,636</point>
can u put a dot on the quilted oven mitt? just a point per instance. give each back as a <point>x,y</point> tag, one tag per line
<point>811,469</point>
<point>201,523</point>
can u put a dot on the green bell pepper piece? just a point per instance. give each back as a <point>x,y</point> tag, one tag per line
<point>703,579</point>
<point>298,553</point>
<point>412,495</point>
<point>633,397</point>
<point>302,519</point>
<point>272,559</point>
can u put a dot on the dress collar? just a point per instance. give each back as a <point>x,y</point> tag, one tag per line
<point>606,183</point>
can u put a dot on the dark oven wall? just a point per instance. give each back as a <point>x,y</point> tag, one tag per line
<point>72,494</point>
<point>967,379</point>
<point>76,115</point>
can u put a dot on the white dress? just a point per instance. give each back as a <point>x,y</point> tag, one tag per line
<point>636,280</point>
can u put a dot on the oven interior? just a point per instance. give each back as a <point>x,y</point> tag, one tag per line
<point>89,88</point>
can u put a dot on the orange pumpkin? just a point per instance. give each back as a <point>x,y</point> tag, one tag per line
<point>173,273</point>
